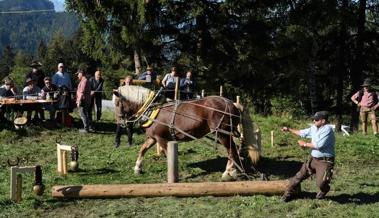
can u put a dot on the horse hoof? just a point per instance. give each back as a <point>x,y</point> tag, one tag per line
<point>227,178</point>
<point>137,172</point>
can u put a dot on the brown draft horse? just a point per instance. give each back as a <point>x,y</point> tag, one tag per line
<point>196,118</point>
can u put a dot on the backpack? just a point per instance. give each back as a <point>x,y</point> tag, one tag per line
<point>375,95</point>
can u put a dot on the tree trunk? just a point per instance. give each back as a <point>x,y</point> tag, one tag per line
<point>312,83</point>
<point>356,73</point>
<point>137,62</point>
<point>341,64</point>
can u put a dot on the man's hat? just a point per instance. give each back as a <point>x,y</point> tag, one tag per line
<point>8,81</point>
<point>35,64</point>
<point>366,83</point>
<point>149,68</point>
<point>60,65</point>
<point>28,80</point>
<point>321,115</point>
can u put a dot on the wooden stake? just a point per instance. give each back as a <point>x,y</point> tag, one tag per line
<point>221,92</point>
<point>177,91</point>
<point>64,163</point>
<point>16,181</point>
<point>172,162</point>
<point>18,188</point>
<point>272,138</point>
<point>202,93</point>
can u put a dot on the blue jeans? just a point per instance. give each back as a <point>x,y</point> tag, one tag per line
<point>84,115</point>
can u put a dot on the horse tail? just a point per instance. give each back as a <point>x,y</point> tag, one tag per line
<point>250,135</point>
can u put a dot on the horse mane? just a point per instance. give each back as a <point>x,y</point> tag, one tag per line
<point>134,94</point>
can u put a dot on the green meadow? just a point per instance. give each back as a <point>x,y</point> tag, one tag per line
<point>354,193</point>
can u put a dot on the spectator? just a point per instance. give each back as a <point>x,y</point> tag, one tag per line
<point>96,83</point>
<point>36,74</point>
<point>321,161</point>
<point>187,86</point>
<point>129,127</point>
<point>83,100</point>
<point>61,78</point>
<point>149,76</point>
<point>31,91</point>
<point>8,90</point>
<point>367,101</point>
<point>169,82</point>
<point>47,93</point>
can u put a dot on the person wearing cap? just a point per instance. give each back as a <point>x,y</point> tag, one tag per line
<point>83,100</point>
<point>8,90</point>
<point>32,91</point>
<point>62,78</point>
<point>366,100</point>
<point>48,92</point>
<point>96,82</point>
<point>321,160</point>
<point>169,82</point>
<point>149,75</point>
<point>36,74</point>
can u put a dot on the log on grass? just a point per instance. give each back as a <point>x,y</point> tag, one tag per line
<point>171,189</point>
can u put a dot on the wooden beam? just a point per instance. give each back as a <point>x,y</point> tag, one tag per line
<point>171,189</point>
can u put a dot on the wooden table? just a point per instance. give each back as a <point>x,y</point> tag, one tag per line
<point>12,101</point>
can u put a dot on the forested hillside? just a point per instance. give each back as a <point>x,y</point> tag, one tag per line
<point>25,29</point>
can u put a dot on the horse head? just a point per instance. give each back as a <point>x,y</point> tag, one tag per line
<point>131,100</point>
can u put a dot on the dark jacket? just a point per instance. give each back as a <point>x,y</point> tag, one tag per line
<point>37,77</point>
<point>97,86</point>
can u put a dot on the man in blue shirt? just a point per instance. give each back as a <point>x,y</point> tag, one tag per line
<point>321,161</point>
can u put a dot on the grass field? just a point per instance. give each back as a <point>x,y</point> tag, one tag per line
<point>355,187</point>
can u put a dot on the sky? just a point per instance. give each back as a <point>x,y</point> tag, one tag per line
<point>58,4</point>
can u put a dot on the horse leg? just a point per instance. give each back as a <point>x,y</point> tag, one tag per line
<point>230,172</point>
<point>148,143</point>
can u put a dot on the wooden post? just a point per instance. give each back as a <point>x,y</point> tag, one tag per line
<point>221,92</point>
<point>16,181</point>
<point>19,188</point>
<point>63,162</point>
<point>172,189</point>
<point>62,158</point>
<point>59,159</point>
<point>177,91</point>
<point>272,138</point>
<point>172,162</point>
<point>238,100</point>
<point>202,93</point>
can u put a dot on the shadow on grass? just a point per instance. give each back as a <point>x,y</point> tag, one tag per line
<point>278,167</point>
<point>358,198</point>
<point>271,167</point>
<point>211,166</point>
<point>96,171</point>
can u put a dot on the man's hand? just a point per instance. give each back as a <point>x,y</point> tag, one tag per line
<point>92,93</point>
<point>285,129</point>
<point>302,143</point>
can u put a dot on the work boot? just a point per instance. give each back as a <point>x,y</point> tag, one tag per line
<point>130,142</point>
<point>117,144</point>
